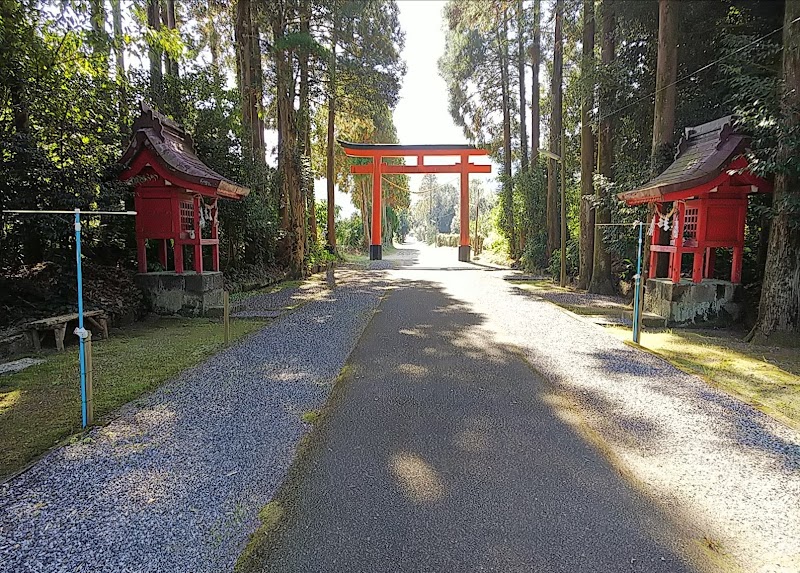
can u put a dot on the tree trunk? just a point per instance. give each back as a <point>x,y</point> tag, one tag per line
<point>288,151</point>
<point>250,86</point>
<point>257,83</point>
<point>121,75</point>
<point>601,282</point>
<point>155,56</point>
<point>330,171</point>
<point>213,44</point>
<point>305,126</point>
<point>101,47</point>
<point>171,65</point>
<point>666,74</point>
<point>587,148</point>
<point>508,187</point>
<point>553,231</point>
<point>664,111</point>
<point>523,130</point>
<point>536,56</point>
<point>779,310</point>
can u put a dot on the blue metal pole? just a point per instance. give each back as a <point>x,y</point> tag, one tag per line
<point>636,317</point>
<point>80,331</point>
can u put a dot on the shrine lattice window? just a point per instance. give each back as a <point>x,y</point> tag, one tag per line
<point>690,223</point>
<point>187,216</point>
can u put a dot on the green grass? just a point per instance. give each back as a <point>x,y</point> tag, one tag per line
<point>766,377</point>
<point>40,406</point>
<point>310,416</point>
<point>494,258</point>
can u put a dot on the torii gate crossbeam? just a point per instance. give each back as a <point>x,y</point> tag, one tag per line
<point>377,168</point>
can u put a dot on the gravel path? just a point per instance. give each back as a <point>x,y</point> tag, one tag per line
<point>175,483</point>
<point>724,469</point>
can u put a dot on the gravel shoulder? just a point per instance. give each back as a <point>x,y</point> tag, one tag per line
<point>728,471</point>
<point>175,483</point>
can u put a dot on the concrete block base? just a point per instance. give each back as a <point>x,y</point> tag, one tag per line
<point>463,253</point>
<point>187,294</point>
<point>709,303</point>
<point>375,252</point>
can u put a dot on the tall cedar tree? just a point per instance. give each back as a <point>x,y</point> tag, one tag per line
<point>536,56</point>
<point>330,164</point>
<point>248,63</point>
<point>155,55</point>
<point>523,129</point>
<point>304,121</point>
<point>587,148</point>
<point>779,310</point>
<point>601,269</point>
<point>289,176</point>
<point>508,186</point>
<point>556,128</point>
<point>664,111</point>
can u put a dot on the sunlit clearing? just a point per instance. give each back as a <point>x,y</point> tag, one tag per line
<point>418,480</point>
<point>412,369</point>
<point>9,399</point>
<point>413,332</point>
<point>472,441</point>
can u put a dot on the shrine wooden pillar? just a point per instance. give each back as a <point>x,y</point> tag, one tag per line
<point>163,247</point>
<point>141,254</point>
<point>677,256</point>
<point>463,244</point>
<point>376,242</point>
<point>214,236</point>
<point>698,255</point>
<point>652,271</point>
<point>177,244</point>
<point>197,236</point>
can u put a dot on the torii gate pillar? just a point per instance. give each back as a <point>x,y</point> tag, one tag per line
<point>377,168</point>
<point>376,236</point>
<point>463,243</point>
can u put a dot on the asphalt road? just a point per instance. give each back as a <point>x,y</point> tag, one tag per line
<point>442,451</point>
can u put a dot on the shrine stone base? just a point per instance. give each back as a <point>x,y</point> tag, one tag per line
<point>708,303</point>
<point>187,294</point>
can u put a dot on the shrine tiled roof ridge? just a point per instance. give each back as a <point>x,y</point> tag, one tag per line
<point>703,153</point>
<point>174,149</point>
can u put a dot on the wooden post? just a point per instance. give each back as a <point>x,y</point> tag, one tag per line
<point>89,377</point>
<point>226,316</point>
<point>330,278</point>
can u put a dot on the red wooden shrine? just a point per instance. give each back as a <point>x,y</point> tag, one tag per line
<point>377,151</point>
<point>175,193</point>
<point>707,184</point>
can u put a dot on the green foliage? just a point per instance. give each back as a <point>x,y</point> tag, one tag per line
<point>554,268</point>
<point>57,152</point>
<point>350,232</point>
<point>435,210</point>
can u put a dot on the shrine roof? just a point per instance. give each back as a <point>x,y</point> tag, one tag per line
<point>174,150</point>
<point>703,154</point>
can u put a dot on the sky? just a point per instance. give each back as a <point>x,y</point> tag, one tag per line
<point>421,116</point>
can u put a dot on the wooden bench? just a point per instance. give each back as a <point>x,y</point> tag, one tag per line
<point>58,324</point>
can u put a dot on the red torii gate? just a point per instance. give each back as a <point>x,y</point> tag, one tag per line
<point>377,151</point>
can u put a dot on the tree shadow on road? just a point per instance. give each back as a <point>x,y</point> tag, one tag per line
<point>443,451</point>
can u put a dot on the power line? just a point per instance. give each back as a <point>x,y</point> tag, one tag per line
<point>697,71</point>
